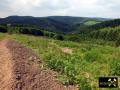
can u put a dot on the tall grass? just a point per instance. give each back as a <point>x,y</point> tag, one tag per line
<point>1,36</point>
<point>83,67</point>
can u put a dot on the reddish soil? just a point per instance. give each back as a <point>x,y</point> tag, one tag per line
<point>5,67</point>
<point>20,69</point>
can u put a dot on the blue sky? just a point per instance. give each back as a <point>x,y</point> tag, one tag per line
<point>38,8</point>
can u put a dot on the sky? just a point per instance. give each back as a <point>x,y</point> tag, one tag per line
<point>40,8</point>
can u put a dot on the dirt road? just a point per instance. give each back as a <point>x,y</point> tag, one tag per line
<point>20,69</point>
<point>5,67</point>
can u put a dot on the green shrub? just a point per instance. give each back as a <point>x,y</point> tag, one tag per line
<point>118,41</point>
<point>84,84</point>
<point>73,38</point>
<point>71,72</point>
<point>92,56</point>
<point>3,29</point>
<point>115,67</point>
<point>59,37</point>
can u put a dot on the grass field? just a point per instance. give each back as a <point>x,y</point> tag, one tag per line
<point>91,22</point>
<point>1,36</point>
<point>77,63</point>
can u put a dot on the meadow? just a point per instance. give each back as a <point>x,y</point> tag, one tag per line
<point>78,64</point>
<point>1,36</point>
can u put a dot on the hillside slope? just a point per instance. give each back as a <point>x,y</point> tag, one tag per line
<point>52,23</point>
<point>105,24</point>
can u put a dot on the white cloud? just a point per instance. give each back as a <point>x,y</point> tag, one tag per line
<point>92,8</point>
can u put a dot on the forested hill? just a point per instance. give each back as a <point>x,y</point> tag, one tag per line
<point>109,23</point>
<point>52,23</point>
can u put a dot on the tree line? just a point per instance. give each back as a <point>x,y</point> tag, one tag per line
<point>109,23</point>
<point>12,29</point>
<point>110,34</point>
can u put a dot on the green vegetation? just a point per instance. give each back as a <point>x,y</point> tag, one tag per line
<point>91,22</point>
<point>21,29</point>
<point>1,36</point>
<point>82,67</point>
<point>3,29</point>
<point>58,24</point>
<point>109,34</point>
<point>109,23</point>
<point>81,56</point>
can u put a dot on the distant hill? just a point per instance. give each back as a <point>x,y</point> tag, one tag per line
<point>105,24</point>
<point>51,23</point>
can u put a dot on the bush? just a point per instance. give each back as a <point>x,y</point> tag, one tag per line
<point>84,84</point>
<point>92,56</point>
<point>74,38</point>
<point>71,73</point>
<point>3,29</point>
<point>115,67</point>
<point>36,32</point>
<point>52,35</point>
<point>118,41</point>
<point>59,37</point>
<point>31,31</point>
<point>13,30</point>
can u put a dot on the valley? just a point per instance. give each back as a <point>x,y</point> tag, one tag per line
<point>61,59</point>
